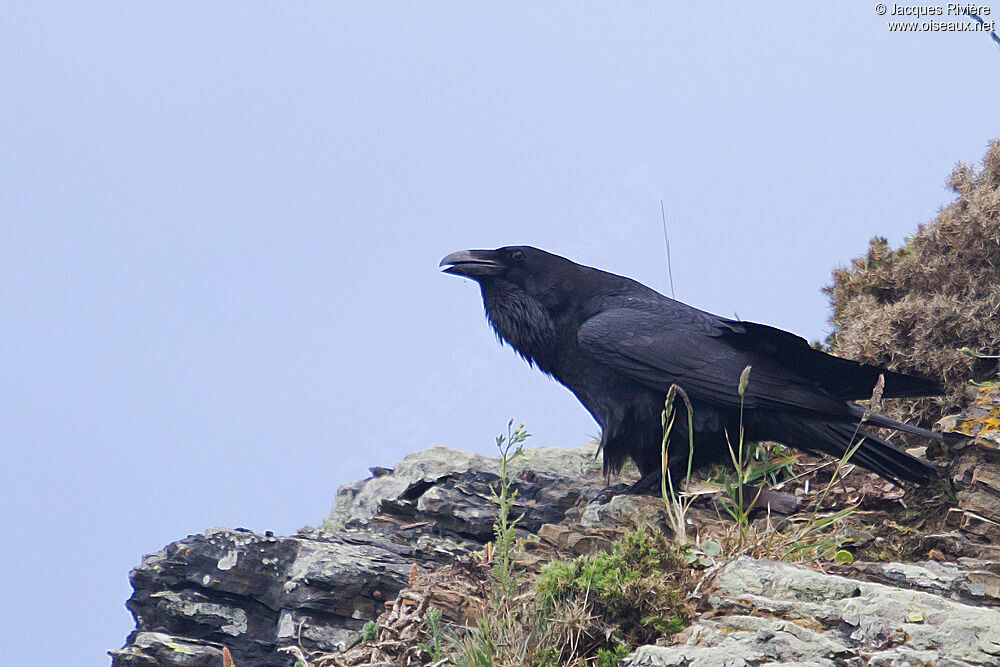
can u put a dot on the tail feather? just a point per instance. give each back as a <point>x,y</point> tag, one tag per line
<point>886,422</point>
<point>874,453</point>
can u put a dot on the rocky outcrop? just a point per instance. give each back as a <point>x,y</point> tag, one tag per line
<point>401,540</point>
<point>769,613</point>
<point>256,593</point>
<point>973,448</point>
<point>447,491</point>
<point>972,582</point>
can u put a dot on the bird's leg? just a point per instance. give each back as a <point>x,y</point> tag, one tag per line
<point>647,485</point>
<point>605,495</point>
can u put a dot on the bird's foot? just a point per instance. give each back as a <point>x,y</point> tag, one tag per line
<point>605,495</point>
<point>648,485</point>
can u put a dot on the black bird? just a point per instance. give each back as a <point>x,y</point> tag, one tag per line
<point>619,345</point>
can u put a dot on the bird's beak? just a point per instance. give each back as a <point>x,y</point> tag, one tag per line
<point>472,263</point>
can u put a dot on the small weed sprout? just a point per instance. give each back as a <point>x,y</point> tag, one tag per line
<point>814,536</point>
<point>611,657</point>
<point>369,632</point>
<point>676,506</point>
<point>738,507</point>
<point>490,641</point>
<point>873,406</point>
<point>434,647</point>
<point>504,495</point>
<point>772,462</point>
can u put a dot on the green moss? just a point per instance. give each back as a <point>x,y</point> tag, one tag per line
<point>611,657</point>
<point>638,586</point>
<point>369,632</point>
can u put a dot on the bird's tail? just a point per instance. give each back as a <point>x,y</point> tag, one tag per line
<point>885,422</point>
<point>874,453</point>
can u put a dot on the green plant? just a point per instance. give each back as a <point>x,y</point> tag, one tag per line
<point>815,536</point>
<point>588,610</point>
<point>702,554</point>
<point>611,657</point>
<point>676,506</point>
<point>739,507</point>
<point>369,632</point>
<point>818,537</point>
<point>435,635</point>
<point>772,462</point>
<point>499,636</point>
<point>636,590</point>
<point>504,494</point>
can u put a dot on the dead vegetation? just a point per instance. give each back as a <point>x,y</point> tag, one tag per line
<point>914,308</point>
<point>583,610</point>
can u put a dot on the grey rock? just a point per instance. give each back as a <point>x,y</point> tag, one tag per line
<point>253,594</point>
<point>256,593</point>
<point>971,581</point>
<point>198,608</point>
<point>973,450</point>
<point>448,492</point>
<point>158,648</point>
<point>625,510</point>
<point>787,614</point>
<point>746,640</point>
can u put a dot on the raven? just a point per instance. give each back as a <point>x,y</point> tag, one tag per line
<point>619,346</point>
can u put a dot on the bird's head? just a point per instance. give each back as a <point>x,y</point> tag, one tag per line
<point>523,288</point>
<point>540,275</point>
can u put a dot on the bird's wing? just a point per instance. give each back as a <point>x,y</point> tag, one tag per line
<point>840,377</point>
<point>660,344</point>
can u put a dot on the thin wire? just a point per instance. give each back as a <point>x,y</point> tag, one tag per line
<point>666,239</point>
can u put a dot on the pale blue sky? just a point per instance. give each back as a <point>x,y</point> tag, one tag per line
<point>220,228</point>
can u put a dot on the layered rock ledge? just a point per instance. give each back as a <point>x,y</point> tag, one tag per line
<point>257,593</point>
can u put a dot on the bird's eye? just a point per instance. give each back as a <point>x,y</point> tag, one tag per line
<point>517,256</point>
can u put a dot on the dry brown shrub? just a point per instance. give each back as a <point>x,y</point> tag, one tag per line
<point>912,309</point>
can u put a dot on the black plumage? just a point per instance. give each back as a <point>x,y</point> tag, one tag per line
<point>619,345</point>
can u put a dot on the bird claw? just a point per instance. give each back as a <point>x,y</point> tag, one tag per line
<point>648,485</point>
<point>605,495</point>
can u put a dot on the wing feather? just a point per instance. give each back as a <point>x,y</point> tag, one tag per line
<point>660,343</point>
